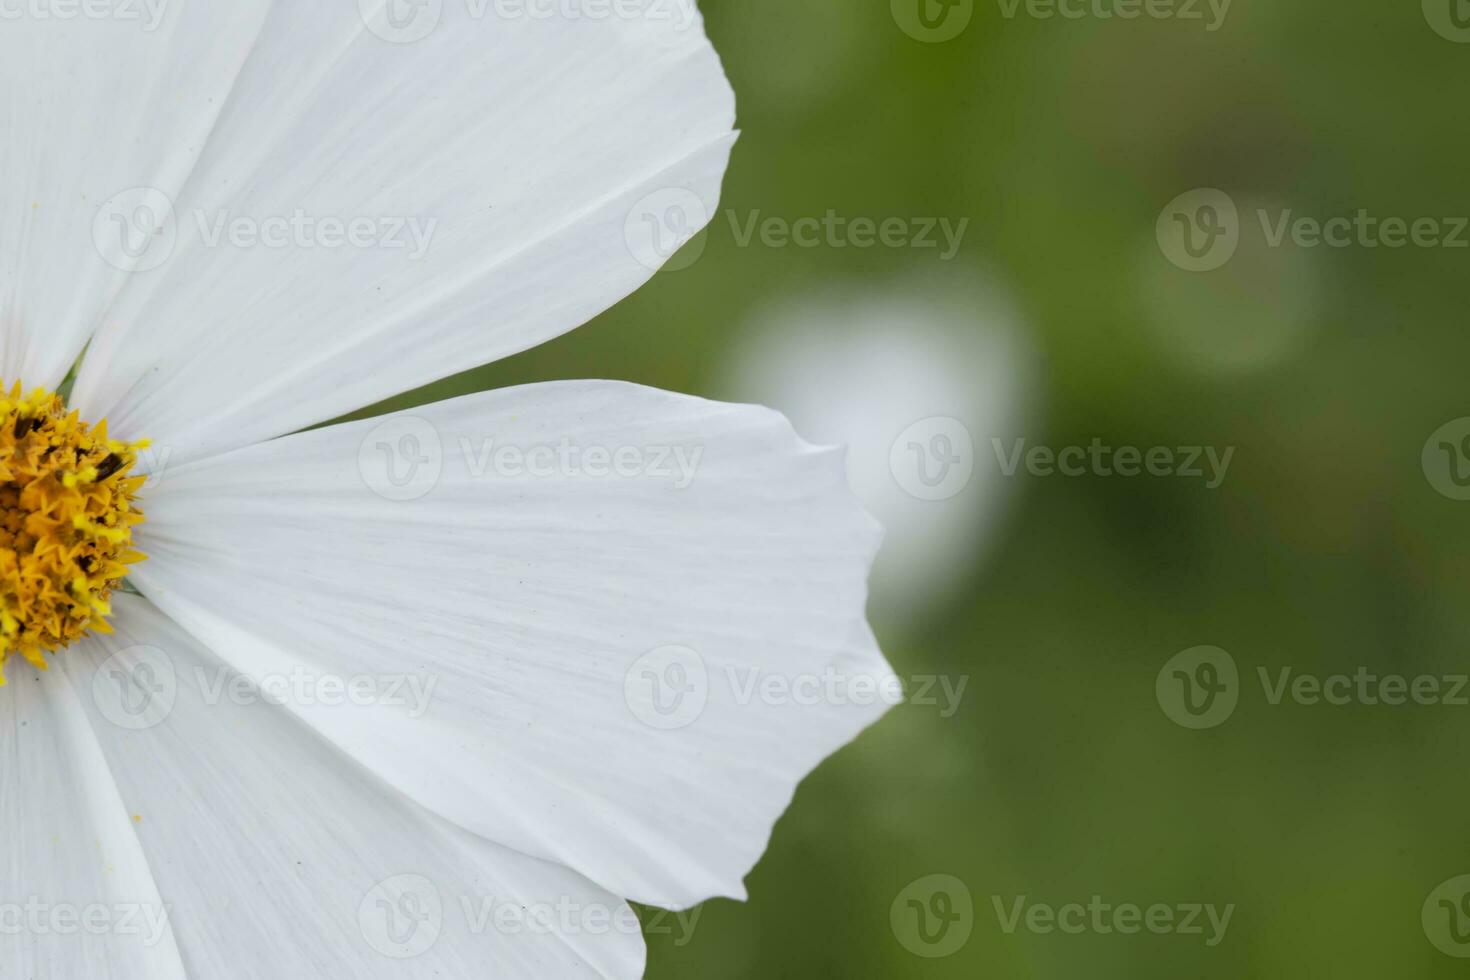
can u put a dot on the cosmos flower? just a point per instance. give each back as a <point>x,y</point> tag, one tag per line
<point>434,693</point>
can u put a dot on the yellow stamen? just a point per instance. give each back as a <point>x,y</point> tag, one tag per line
<point>67,513</point>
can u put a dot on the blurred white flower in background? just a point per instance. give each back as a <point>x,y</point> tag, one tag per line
<point>917,380</point>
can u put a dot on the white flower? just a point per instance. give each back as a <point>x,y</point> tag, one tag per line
<point>428,695</point>
<point>920,380</point>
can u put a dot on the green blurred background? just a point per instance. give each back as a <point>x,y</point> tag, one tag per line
<point>1326,549</point>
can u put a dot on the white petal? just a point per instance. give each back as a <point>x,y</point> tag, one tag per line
<point>536,604</point>
<point>505,165</point>
<point>78,899</point>
<point>99,103</point>
<point>279,857</point>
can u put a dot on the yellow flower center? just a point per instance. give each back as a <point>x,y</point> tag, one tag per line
<point>67,515</point>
